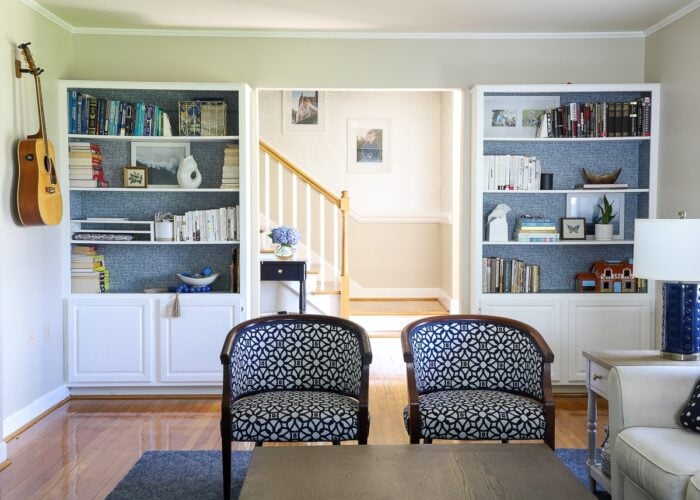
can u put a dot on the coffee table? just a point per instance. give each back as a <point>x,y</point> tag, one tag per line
<point>521,471</point>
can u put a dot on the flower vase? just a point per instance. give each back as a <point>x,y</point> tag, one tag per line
<point>284,251</point>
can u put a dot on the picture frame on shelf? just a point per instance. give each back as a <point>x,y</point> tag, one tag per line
<point>135,177</point>
<point>585,205</point>
<point>573,228</point>
<point>161,159</point>
<point>516,116</point>
<point>303,111</point>
<point>369,142</point>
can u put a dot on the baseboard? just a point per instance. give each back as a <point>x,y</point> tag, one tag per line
<point>35,410</point>
<point>448,302</point>
<point>359,292</point>
<point>4,462</point>
<point>158,392</point>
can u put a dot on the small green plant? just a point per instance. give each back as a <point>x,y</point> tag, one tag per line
<point>606,211</point>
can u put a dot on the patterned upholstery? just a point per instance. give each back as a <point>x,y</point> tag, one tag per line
<point>477,377</point>
<point>295,416</point>
<point>296,355</point>
<point>472,414</point>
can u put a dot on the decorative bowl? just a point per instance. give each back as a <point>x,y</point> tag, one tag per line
<point>199,281</point>
<point>593,178</point>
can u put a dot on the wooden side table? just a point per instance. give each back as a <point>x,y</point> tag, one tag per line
<point>598,366</point>
<point>286,270</point>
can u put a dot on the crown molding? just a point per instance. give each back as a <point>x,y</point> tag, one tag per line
<point>672,18</point>
<point>49,15</point>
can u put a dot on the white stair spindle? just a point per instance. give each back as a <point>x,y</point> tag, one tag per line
<point>280,195</point>
<point>322,240</point>
<point>308,224</point>
<point>336,246</point>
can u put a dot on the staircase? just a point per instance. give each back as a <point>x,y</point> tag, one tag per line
<point>387,317</point>
<point>289,196</point>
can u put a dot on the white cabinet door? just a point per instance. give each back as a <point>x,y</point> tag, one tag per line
<point>609,322</point>
<point>190,345</point>
<point>542,313</point>
<point>108,340</point>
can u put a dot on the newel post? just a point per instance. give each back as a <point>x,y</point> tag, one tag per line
<point>344,269</point>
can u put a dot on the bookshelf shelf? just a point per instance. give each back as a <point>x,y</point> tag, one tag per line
<point>152,348</point>
<point>570,322</point>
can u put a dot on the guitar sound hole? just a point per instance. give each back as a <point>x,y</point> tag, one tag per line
<point>48,166</point>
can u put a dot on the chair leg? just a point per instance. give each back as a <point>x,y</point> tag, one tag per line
<point>427,440</point>
<point>226,461</point>
<point>336,442</point>
<point>258,444</point>
<point>504,441</point>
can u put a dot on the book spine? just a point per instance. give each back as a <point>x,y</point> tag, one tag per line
<point>92,116</point>
<point>73,111</point>
<point>625,119</point>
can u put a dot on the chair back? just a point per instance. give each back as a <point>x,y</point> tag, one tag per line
<point>296,352</point>
<point>476,352</point>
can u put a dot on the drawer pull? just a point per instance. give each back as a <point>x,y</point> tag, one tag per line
<point>280,271</point>
<point>596,376</point>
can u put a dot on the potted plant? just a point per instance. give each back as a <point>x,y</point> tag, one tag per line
<point>285,240</point>
<point>604,227</point>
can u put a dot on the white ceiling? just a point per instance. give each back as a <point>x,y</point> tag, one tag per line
<point>369,16</point>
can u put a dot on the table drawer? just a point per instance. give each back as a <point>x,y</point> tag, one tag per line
<point>598,378</point>
<point>282,271</point>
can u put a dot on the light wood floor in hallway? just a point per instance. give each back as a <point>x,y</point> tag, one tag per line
<point>85,447</point>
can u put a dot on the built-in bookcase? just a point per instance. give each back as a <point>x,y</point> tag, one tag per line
<point>569,321</point>
<point>127,320</point>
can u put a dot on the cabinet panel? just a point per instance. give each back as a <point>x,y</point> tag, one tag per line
<point>190,344</point>
<point>109,341</point>
<point>598,324</point>
<point>542,314</point>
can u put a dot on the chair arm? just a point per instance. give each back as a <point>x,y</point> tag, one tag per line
<point>648,396</point>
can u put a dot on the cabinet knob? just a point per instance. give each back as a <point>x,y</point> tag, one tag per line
<point>280,271</point>
<point>597,376</point>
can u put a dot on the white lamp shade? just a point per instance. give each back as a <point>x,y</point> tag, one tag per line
<point>667,249</point>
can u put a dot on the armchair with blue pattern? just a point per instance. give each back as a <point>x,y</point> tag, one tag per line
<point>294,377</point>
<point>473,377</point>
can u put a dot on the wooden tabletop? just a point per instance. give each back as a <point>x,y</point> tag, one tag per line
<point>478,471</point>
<point>608,359</point>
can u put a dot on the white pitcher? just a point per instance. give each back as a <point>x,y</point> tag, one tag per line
<point>188,175</point>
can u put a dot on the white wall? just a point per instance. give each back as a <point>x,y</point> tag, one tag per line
<point>31,324</point>
<point>672,60</point>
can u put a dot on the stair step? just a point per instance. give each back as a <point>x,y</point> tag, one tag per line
<point>396,307</point>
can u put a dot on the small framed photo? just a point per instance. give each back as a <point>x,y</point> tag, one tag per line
<point>573,228</point>
<point>369,146</point>
<point>135,177</point>
<point>161,159</point>
<point>303,111</point>
<point>516,116</point>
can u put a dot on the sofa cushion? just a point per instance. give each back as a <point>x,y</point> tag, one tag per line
<point>660,461</point>
<point>693,488</point>
<point>690,416</point>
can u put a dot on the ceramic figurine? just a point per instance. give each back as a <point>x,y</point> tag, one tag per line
<point>188,175</point>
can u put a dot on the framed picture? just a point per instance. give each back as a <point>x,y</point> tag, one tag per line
<point>369,145</point>
<point>516,116</point>
<point>135,177</point>
<point>573,228</point>
<point>303,111</point>
<point>161,159</point>
<point>585,205</point>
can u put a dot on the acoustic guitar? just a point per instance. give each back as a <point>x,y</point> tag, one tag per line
<point>39,199</point>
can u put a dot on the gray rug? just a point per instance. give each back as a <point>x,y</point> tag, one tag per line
<point>186,475</point>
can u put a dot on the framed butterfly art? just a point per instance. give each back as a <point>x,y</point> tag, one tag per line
<point>573,228</point>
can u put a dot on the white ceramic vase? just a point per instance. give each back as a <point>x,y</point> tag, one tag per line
<point>603,232</point>
<point>188,175</point>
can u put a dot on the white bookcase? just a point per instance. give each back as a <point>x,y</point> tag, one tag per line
<point>128,340</point>
<point>569,321</point>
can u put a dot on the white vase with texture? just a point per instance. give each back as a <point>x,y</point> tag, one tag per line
<point>603,232</point>
<point>188,175</point>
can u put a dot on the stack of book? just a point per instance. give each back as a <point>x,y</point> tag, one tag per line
<point>534,229</point>
<point>230,177</point>
<point>501,275</point>
<point>218,224</point>
<point>85,165</point>
<point>88,273</point>
<point>512,173</point>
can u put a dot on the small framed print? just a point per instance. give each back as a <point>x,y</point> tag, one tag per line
<point>573,228</point>
<point>135,177</point>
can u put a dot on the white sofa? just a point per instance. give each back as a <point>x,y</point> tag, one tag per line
<point>652,456</point>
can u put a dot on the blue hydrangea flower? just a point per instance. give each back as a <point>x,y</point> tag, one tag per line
<point>283,235</point>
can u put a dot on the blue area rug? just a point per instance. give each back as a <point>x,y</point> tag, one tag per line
<point>185,475</point>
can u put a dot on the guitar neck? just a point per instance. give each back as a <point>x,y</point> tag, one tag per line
<point>40,105</point>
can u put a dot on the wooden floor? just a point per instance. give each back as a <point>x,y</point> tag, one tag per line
<point>85,447</point>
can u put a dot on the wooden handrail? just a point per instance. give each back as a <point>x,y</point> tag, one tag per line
<point>301,173</point>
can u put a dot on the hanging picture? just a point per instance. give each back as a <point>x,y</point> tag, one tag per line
<point>368,145</point>
<point>303,111</point>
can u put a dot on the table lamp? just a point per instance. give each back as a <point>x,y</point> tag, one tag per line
<point>669,250</point>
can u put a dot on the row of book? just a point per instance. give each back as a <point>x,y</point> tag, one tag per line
<point>85,165</point>
<point>230,176</point>
<point>217,224</point>
<point>88,273</point>
<point>501,275</point>
<point>512,173</point>
<point>600,119</point>
<point>99,116</point>
<point>528,229</point>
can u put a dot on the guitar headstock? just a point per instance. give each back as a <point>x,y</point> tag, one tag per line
<point>33,69</point>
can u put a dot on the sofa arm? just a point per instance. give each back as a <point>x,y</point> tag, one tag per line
<point>648,396</point>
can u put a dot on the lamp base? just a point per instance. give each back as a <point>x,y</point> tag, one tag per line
<point>680,336</point>
<point>680,357</point>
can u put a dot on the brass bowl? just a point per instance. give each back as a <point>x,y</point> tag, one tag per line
<point>593,178</point>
